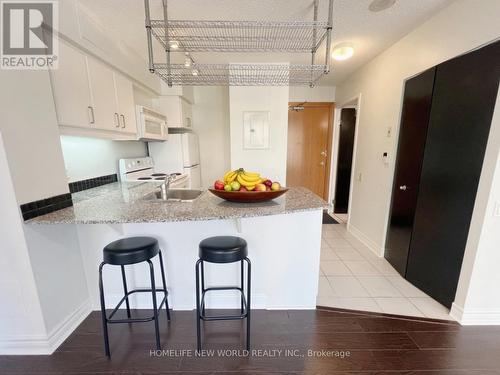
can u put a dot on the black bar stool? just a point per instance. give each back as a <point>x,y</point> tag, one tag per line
<point>222,249</point>
<point>130,251</point>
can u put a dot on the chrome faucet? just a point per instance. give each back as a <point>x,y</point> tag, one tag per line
<point>166,185</point>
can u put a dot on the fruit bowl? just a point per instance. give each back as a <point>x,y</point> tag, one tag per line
<point>248,196</point>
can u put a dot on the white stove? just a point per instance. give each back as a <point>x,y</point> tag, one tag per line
<point>142,169</point>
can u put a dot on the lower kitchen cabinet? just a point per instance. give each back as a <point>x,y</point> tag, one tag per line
<point>445,174</point>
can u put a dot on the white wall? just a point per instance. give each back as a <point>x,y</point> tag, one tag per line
<point>462,26</point>
<point>20,315</point>
<point>477,300</point>
<point>271,162</point>
<point>31,135</point>
<point>211,123</point>
<point>315,94</point>
<point>91,157</point>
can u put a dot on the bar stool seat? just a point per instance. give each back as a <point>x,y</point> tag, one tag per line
<point>223,249</point>
<point>130,250</point>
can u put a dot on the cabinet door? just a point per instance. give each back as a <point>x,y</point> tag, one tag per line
<point>187,114</point>
<point>102,88</point>
<point>463,101</point>
<point>70,88</point>
<point>126,106</point>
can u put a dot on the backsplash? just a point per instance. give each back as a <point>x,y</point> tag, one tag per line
<point>92,183</point>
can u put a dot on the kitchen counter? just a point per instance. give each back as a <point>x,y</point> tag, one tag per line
<point>123,202</point>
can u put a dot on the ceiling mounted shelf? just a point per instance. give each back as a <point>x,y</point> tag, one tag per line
<point>239,36</point>
<point>240,74</point>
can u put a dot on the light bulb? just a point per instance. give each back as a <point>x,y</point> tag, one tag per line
<point>174,44</point>
<point>342,52</point>
<point>194,72</point>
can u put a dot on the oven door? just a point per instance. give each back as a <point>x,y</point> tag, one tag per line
<point>152,126</point>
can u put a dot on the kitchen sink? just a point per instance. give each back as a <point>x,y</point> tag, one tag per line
<point>175,195</point>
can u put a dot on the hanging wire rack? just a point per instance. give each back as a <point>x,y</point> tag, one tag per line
<point>239,36</point>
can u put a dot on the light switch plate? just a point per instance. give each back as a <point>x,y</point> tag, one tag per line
<point>496,212</point>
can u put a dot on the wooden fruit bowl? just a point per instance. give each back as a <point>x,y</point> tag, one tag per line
<point>248,196</point>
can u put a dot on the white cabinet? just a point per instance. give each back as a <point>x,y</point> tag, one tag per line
<point>178,111</point>
<point>70,88</point>
<point>92,99</point>
<point>125,106</point>
<point>102,89</point>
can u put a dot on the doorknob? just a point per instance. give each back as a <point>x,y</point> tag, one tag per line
<point>322,163</point>
<point>323,153</point>
<point>403,187</point>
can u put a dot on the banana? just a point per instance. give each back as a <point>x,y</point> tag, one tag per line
<point>250,188</point>
<point>246,182</point>
<point>230,177</point>
<point>225,178</point>
<point>251,174</point>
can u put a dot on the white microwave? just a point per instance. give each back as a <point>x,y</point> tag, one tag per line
<point>151,125</point>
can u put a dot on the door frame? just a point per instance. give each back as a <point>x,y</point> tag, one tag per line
<point>329,140</point>
<point>354,102</point>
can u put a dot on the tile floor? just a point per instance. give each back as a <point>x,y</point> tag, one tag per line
<point>353,277</point>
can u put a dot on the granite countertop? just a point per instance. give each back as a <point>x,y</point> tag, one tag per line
<point>122,202</point>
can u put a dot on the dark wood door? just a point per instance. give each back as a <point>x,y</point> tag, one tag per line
<point>412,135</point>
<point>463,101</point>
<point>309,144</point>
<point>344,163</point>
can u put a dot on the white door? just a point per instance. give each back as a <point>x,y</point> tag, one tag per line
<point>102,89</point>
<point>190,149</point>
<point>70,88</point>
<point>194,174</point>
<point>126,106</point>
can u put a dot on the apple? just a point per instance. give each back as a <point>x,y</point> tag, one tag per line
<point>268,182</point>
<point>228,187</point>
<point>235,185</point>
<point>242,188</point>
<point>275,186</point>
<point>260,187</point>
<point>219,185</point>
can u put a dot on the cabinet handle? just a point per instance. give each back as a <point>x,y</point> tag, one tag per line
<point>403,187</point>
<point>123,118</point>
<point>91,114</point>
<point>117,120</point>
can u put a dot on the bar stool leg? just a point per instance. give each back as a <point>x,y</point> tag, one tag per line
<point>249,271</point>
<point>164,285</point>
<point>241,284</point>
<point>203,285</point>
<point>103,313</point>
<point>125,290</point>
<point>198,327</point>
<point>155,307</point>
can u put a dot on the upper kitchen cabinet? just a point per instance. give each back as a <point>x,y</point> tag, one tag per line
<point>92,99</point>
<point>125,105</point>
<point>70,87</point>
<point>178,111</point>
<point>102,89</point>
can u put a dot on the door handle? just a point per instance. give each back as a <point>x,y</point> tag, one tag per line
<point>403,187</point>
<point>91,114</point>
<point>117,120</point>
<point>123,118</point>
<point>323,153</point>
<point>322,163</point>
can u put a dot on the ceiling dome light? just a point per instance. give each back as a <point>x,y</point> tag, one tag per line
<point>380,5</point>
<point>174,44</point>
<point>342,51</point>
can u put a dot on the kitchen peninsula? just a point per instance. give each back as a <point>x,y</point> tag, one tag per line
<point>284,237</point>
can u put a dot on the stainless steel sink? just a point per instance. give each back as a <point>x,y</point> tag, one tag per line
<point>175,195</point>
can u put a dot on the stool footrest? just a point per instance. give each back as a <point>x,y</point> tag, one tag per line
<point>135,320</point>
<point>228,317</point>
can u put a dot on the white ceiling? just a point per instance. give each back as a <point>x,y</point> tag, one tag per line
<point>370,32</point>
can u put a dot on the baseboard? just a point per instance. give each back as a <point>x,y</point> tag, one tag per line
<point>46,344</point>
<point>472,317</point>
<point>377,250</point>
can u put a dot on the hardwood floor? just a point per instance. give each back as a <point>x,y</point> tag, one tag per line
<point>377,344</point>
